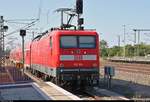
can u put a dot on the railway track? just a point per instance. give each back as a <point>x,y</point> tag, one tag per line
<point>128,67</point>
<point>103,94</point>
<point>131,72</point>
<point>145,66</point>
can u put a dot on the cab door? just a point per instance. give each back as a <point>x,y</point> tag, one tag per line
<point>50,56</point>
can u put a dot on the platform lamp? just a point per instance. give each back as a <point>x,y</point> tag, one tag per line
<point>22,34</point>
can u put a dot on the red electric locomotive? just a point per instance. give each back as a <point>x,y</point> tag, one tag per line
<point>65,55</point>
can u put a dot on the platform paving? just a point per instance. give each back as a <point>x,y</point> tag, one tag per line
<point>20,92</point>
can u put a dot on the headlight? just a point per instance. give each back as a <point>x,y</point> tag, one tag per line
<point>61,65</point>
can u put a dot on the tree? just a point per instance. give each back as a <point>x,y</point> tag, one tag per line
<point>115,51</point>
<point>103,48</point>
<point>129,50</point>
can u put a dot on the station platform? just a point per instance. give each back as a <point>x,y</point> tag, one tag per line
<point>35,91</point>
<point>16,85</point>
<point>26,91</point>
<point>53,91</point>
<point>142,60</point>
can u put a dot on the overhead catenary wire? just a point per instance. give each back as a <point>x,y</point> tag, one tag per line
<point>17,22</point>
<point>24,27</point>
<point>28,25</point>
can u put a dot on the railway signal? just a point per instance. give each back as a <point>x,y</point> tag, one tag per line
<point>80,22</point>
<point>22,32</point>
<point>79,6</point>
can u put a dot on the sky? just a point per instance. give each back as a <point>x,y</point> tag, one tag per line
<point>106,16</point>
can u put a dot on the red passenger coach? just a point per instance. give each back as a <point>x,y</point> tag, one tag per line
<point>27,55</point>
<point>16,55</point>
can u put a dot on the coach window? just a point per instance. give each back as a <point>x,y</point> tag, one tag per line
<point>51,42</point>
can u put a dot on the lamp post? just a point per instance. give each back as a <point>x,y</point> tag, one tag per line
<point>124,43</point>
<point>22,34</point>
<point>134,42</point>
<point>118,44</point>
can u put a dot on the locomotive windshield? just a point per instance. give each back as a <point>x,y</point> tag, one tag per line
<point>68,41</point>
<point>77,42</point>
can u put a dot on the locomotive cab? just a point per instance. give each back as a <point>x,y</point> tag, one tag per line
<point>79,55</point>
